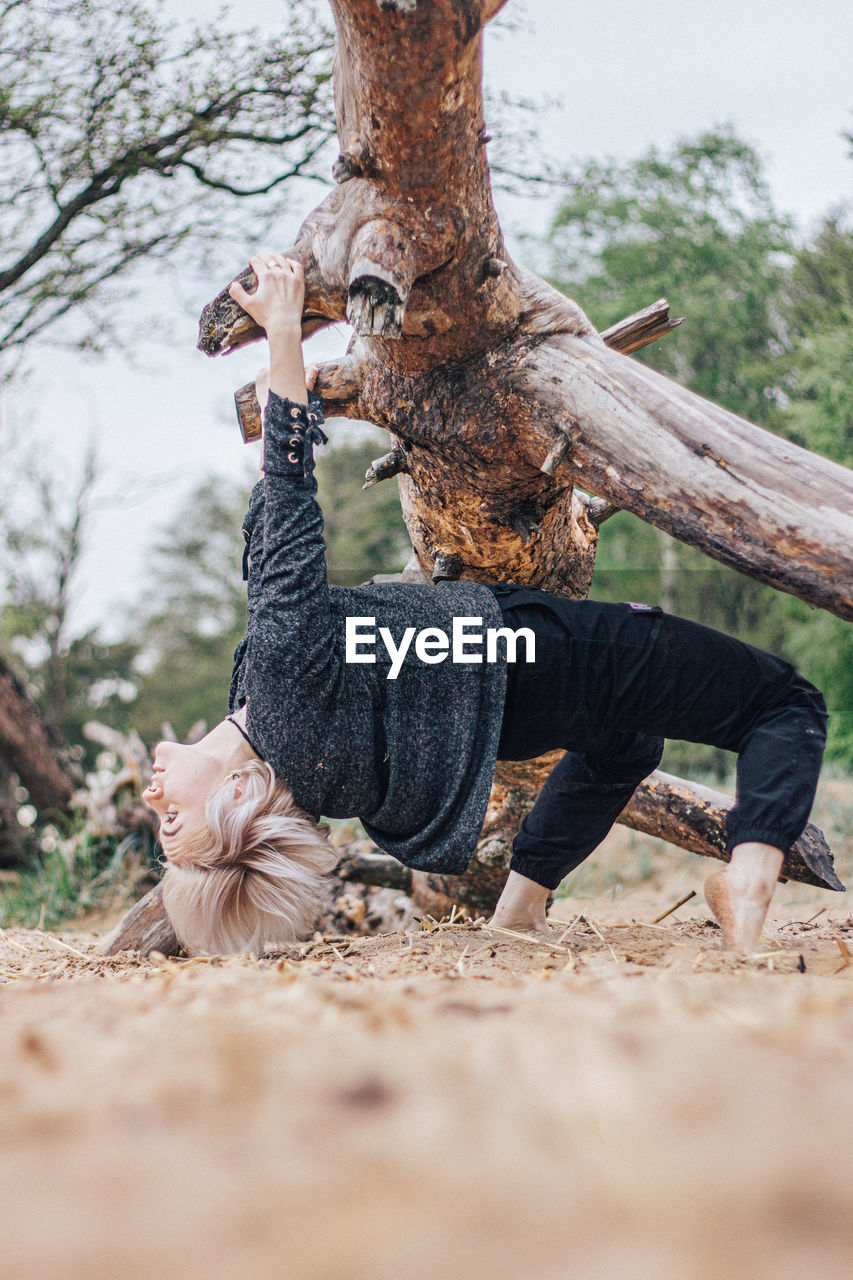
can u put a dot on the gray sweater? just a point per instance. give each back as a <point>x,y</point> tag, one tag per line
<point>412,757</point>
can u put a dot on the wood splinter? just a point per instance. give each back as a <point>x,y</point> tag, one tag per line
<point>557,455</point>
<point>641,328</point>
<point>383,468</point>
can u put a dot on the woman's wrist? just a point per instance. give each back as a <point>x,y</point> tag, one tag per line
<point>287,372</point>
<point>287,328</point>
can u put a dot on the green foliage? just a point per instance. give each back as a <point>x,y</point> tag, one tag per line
<point>193,614</point>
<point>695,224</point>
<point>822,646</point>
<point>113,123</point>
<point>67,878</point>
<point>72,679</point>
<point>820,412</point>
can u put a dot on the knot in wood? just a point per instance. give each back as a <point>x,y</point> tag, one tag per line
<point>344,168</point>
<point>375,309</point>
<point>494,267</point>
<point>558,453</point>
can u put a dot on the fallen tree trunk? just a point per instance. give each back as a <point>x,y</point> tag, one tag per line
<point>747,498</point>
<point>692,816</point>
<point>682,813</point>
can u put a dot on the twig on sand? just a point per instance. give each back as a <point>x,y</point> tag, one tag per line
<point>12,942</point>
<point>845,954</point>
<point>567,931</point>
<point>811,919</point>
<point>68,947</point>
<point>599,934</point>
<point>583,916</point>
<point>681,901</point>
<point>525,937</point>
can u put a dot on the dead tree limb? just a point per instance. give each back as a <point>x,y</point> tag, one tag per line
<point>641,328</point>
<point>747,498</point>
<point>145,928</point>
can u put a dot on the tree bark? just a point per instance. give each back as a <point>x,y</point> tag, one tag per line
<point>496,392</point>
<point>145,928</point>
<point>29,750</point>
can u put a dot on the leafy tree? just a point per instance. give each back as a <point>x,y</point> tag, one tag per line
<point>127,139</point>
<point>192,614</point>
<point>123,139</point>
<point>820,416</point>
<point>696,224</point>
<point>820,413</point>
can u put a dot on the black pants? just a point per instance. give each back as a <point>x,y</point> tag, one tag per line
<point>609,683</point>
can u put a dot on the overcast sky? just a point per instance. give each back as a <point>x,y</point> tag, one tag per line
<point>630,74</point>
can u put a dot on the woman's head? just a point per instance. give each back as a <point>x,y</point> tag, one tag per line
<point>249,872</point>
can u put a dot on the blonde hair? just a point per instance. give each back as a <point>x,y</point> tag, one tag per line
<point>255,877</point>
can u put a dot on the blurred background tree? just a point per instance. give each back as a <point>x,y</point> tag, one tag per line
<point>112,122</point>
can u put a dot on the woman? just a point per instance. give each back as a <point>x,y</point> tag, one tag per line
<point>334,711</point>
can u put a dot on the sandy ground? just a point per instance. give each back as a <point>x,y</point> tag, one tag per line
<point>442,1101</point>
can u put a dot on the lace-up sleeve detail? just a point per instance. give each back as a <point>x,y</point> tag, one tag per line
<point>290,432</point>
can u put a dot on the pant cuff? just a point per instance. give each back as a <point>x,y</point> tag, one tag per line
<point>531,870</point>
<point>759,835</point>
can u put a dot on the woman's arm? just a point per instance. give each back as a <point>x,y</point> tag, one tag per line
<point>289,635</point>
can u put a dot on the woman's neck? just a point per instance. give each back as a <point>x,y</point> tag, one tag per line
<point>227,742</point>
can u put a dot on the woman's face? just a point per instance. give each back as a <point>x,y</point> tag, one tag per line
<point>183,778</point>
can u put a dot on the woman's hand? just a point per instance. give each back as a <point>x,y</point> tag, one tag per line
<point>277,303</point>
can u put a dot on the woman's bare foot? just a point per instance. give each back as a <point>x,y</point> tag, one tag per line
<point>521,907</point>
<point>740,894</point>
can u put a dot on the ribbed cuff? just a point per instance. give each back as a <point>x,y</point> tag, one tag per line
<point>758,835</point>
<point>532,870</point>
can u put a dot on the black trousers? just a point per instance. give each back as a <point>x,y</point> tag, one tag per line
<point>609,683</point>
